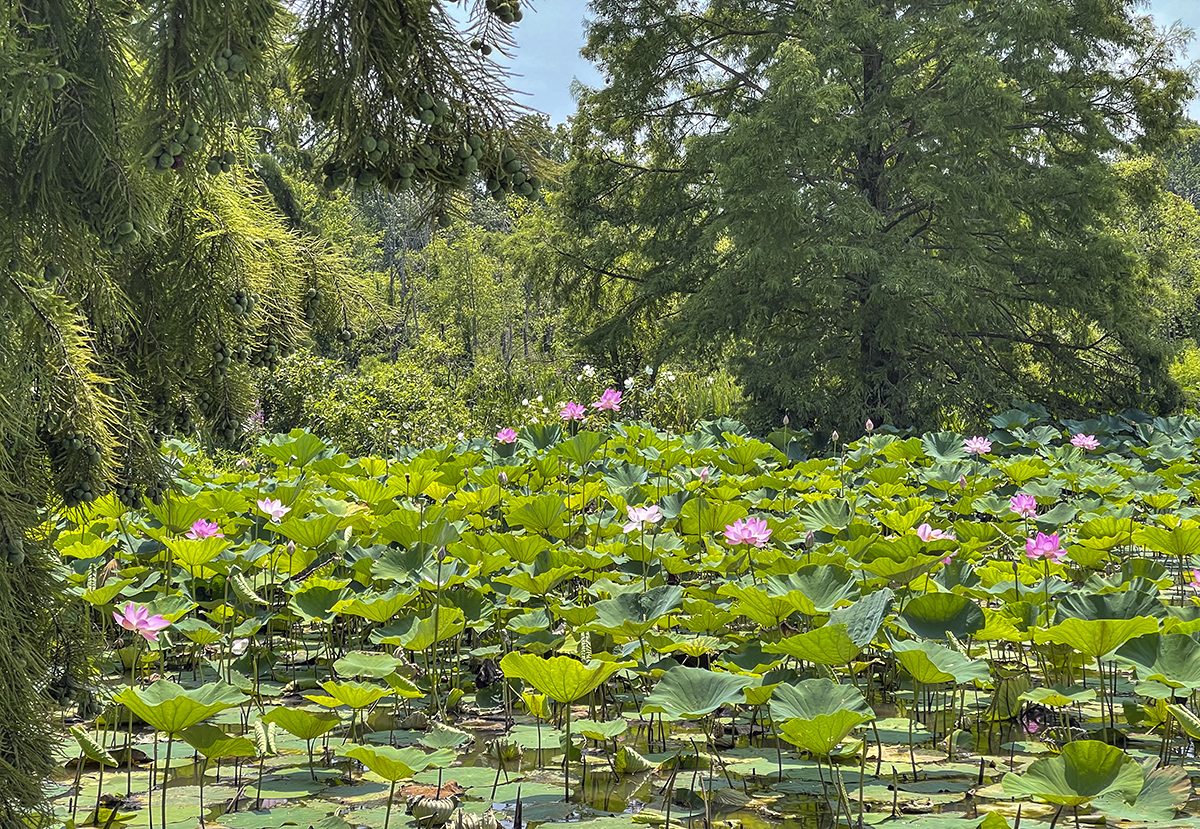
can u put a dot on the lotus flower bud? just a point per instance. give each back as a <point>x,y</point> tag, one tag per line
<point>705,475</point>
<point>810,540</point>
<point>834,437</point>
<point>291,548</point>
<point>962,481</point>
<point>502,478</point>
<point>243,463</point>
<point>869,425</point>
<point>786,420</point>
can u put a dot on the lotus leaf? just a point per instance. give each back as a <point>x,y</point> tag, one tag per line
<point>1170,658</point>
<point>935,615</point>
<point>633,614</point>
<point>215,744</point>
<point>1095,638</point>
<point>1085,770</point>
<point>930,663</point>
<point>306,725</point>
<point>562,678</point>
<point>169,707</point>
<point>691,693</point>
<point>828,645</point>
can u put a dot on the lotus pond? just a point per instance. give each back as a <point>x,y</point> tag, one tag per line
<point>624,626</point>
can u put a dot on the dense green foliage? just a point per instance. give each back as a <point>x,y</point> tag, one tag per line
<point>154,254</point>
<point>875,209</point>
<point>436,597</point>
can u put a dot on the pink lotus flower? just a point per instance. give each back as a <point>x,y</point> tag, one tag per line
<point>506,435</point>
<point>609,401</point>
<point>1195,582</point>
<point>203,528</point>
<point>275,509</point>
<point>1023,505</point>
<point>137,617</point>
<point>640,516</point>
<point>927,533</point>
<point>1085,441</point>
<point>951,555</point>
<point>977,446</point>
<point>705,475</point>
<point>752,531</point>
<point>572,411</point>
<point>869,425</point>
<point>962,481</point>
<point>1044,546</point>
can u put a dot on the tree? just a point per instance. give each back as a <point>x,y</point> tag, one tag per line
<point>153,258</point>
<point>1182,160</point>
<point>876,208</point>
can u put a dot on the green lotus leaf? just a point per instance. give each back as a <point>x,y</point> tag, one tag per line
<point>702,515</point>
<point>1058,697</point>
<point>424,633</point>
<point>1095,638</point>
<point>930,663</point>
<point>192,554</point>
<point>169,707</point>
<point>1164,792</point>
<point>828,515</point>
<point>934,615</point>
<point>403,687</point>
<point>92,749</point>
<point>317,603</point>
<point>1085,770</point>
<point>818,714</point>
<point>306,725</point>
<point>815,697</point>
<point>815,588</point>
<point>600,730</point>
<point>540,514</point>
<point>215,744</point>
<point>198,631</point>
<point>633,614</point>
<point>864,618</point>
<point>354,694</point>
<point>392,764</point>
<point>690,693</point>
<point>309,531</point>
<point>375,607</point>
<point>298,447</point>
<point>100,596</point>
<point>1139,598</point>
<point>562,678</point>
<point>828,645</point>
<point>540,584</point>
<point>1170,658</point>
<point>580,448</point>
<point>364,663</point>
<point>1182,540</point>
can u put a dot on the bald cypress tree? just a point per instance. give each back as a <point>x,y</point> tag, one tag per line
<point>150,264</point>
<point>876,208</point>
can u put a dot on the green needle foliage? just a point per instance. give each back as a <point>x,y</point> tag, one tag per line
<point>899,211</point>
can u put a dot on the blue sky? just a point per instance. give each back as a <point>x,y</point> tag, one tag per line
<point>549,38</point>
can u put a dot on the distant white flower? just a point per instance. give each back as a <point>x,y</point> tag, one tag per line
<point>525,401</point>
<point>539,398</point>
<point>239,646</point>
<point>649,371</point>
<point>670,377</point>
<point>629,382</point>
<point>589,370</point>
<point>461,436</point>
